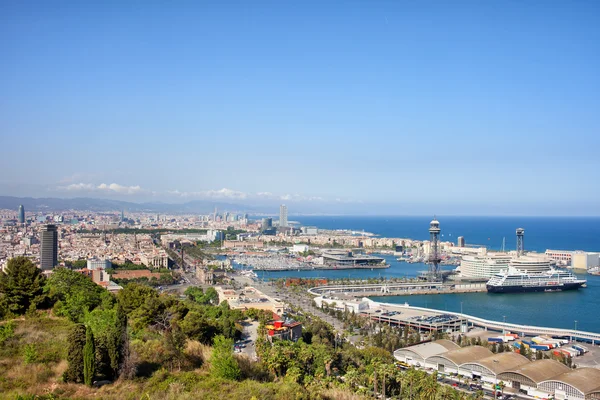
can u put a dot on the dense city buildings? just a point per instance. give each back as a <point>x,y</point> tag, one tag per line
<point>48,247</point>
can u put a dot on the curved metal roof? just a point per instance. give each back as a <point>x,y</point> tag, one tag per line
<point>467,354</point>
<point>540,370</point>
<point>502,362</point>
<point>425,350</point>
<point>586,380</point>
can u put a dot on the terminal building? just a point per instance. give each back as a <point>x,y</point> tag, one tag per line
<point>347,258</point>
<point>540,379</point>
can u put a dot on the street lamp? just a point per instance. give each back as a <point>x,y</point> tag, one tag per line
<point>503,328</point>
<point>495,380</point>
<point>575,324</point>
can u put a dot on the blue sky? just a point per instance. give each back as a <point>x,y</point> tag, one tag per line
<point>421,107</point>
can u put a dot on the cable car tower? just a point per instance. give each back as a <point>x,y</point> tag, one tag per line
<point>434,254</point>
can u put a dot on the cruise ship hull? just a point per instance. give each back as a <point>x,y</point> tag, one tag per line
<point>525,289</point>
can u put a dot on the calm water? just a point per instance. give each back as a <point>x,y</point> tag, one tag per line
<point>396,270</point>
<point>556,310</point>
<point>541,233</point>
<point>559,309</point>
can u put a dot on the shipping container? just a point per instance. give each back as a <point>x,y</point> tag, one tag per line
<point>579,352</point>
<point>581,348</point>
<point>540,347</point>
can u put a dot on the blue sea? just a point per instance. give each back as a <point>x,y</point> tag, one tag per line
<point>559,310</point>
<point>541,233</point>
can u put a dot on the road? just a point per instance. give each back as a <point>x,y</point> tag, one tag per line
<point>249,335</point>
<point>305,303</point>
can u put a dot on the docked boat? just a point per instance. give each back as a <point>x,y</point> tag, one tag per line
<point>594,271</point>
<point>517,281</point>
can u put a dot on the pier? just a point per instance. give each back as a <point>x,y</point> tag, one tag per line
<point>397,289</point>
<point>522,330</point>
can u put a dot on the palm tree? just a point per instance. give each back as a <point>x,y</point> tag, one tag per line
<point>430,388</point>
<point>502,386</point>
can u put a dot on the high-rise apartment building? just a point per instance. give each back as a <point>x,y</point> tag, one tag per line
<point>48,247</point>
<point>461,241</point>
<point>21,214</point>
<point>283,214</point>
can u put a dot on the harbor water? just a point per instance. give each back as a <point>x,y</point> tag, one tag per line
<point>557,309</point>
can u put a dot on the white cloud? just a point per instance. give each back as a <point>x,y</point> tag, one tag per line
<point>226,193</point>
<point>75,187</point>
<point>116,188</point>
<point>103,187</point>
<point>211,194</point>
<point>297,197</point>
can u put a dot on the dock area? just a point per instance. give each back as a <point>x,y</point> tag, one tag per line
<point>398,289</point>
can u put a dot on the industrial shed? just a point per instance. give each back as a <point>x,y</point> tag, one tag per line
<point>580,383</point>
<point>417,354</point>
<point>488,368</point>
<point>451,361</point>
<point>528,376</point>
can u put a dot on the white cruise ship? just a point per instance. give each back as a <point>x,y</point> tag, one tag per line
<point>487,264</point>
<point>513,280</point>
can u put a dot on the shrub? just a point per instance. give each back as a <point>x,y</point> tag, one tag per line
<point>222,361</point>
<point>30,356</point>
<point>7,331</point>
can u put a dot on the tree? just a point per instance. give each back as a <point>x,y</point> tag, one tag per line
<point>77,340</point>
<point>89,358</point>
<point>109,329</point>
<point>74,293</point>
<point>21,285</point>
<point>223,363</point>
<point>134,295</point>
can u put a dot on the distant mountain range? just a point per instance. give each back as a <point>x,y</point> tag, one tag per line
<point>104,205</point>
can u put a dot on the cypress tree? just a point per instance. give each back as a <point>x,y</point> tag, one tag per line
<point>74,372</point>
<point>89,358</point>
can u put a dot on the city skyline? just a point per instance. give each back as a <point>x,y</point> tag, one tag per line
<point>466,109</point>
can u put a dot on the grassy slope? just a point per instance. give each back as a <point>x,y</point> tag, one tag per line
<point>49,336</point>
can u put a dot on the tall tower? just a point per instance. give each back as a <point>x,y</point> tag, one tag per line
<point>21,214</point>
<point>434,257</point>
<point>283,222</point>
<point>48,247</point>
<point>520,245</point>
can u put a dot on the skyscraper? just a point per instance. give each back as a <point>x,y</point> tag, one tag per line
<point>267,223</point>
<point>48,247</point>
<point>283,223</point>
<point>21,214</point>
